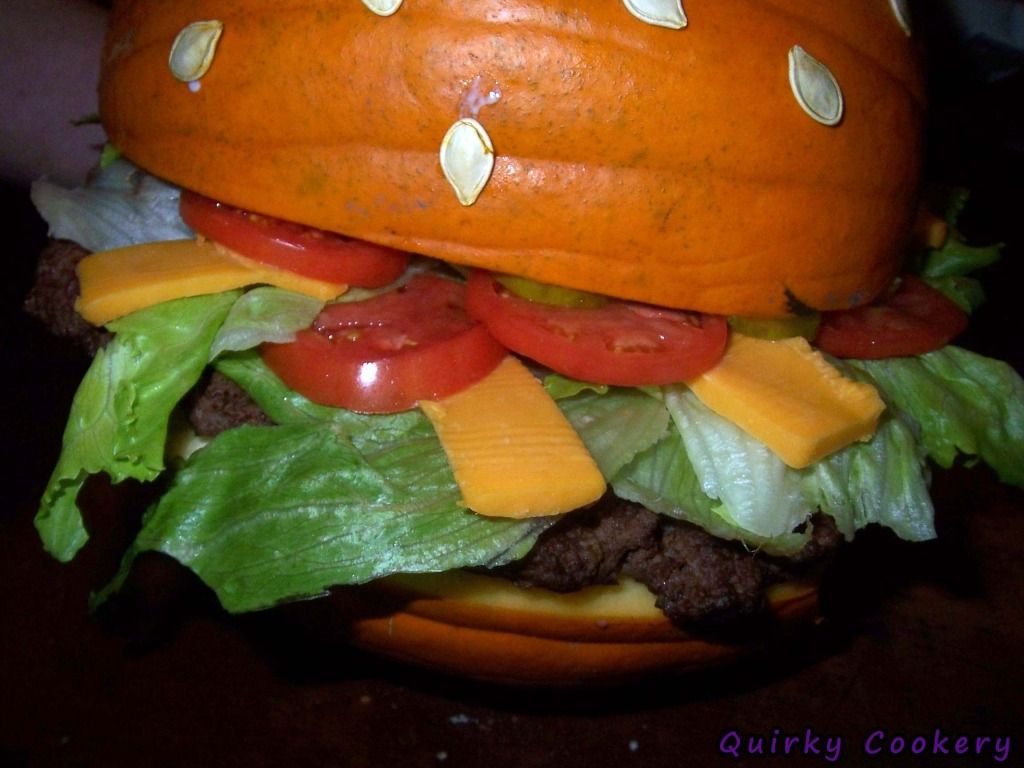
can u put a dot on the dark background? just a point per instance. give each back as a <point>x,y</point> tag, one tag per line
<point>917,637</point>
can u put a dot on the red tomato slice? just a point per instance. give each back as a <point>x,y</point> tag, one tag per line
<point>385,354</point>
<point>283,244</point>
<point>912,320</point>
<point>620,343</point>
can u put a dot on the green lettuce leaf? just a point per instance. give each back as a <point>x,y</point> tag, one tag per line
<point>883,480</point>
<point>956,258</point>
<point>267,514</point>
<point>758,492</point>
<point>121,205</point>
<point>265,314</point>
<point>963,403</point>
<point>119,416</point>
<point>663,480</point>
<point>947,269</point>
<point>561,387</point>
<point>616,426</point>
<point>286,406</point>
<point>641,451</point>
<point>707,469</point>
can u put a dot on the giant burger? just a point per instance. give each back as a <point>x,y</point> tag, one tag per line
<point>539,335</point>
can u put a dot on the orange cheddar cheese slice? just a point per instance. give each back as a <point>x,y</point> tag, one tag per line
<point>117,282</point>
<point>512,451</point>
<point>788,396</point>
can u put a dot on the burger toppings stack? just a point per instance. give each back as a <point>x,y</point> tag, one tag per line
<point>642,318</point>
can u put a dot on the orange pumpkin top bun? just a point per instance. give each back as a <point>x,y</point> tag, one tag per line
<point>720,161</point>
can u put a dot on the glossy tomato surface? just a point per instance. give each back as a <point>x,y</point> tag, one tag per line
<point>620,343</point>
<point>386,353</point>
<point>911,320</point>
<point>283,244</point>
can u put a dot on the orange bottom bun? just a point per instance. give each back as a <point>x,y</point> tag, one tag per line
<point>488,629</point>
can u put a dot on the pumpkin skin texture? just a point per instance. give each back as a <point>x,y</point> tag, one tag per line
<point>488,629</point>
<point>668,166</point>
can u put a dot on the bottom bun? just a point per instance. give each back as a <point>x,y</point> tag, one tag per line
<point>487,628</point>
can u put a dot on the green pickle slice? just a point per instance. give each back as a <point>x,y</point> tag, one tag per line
<point>553,295</point>
<point>777,327</point>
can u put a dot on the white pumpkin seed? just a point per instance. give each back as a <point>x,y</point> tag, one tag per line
<point>901,9</point>
<point>467,159</point>
<point>660,13</point>
<point>382,7</point>
<point>193,49</point>
<point>815,87</point>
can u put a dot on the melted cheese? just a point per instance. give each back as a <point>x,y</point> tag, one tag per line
<point>117,282</point>
<point>512,451</point>
<point>789,397</point>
